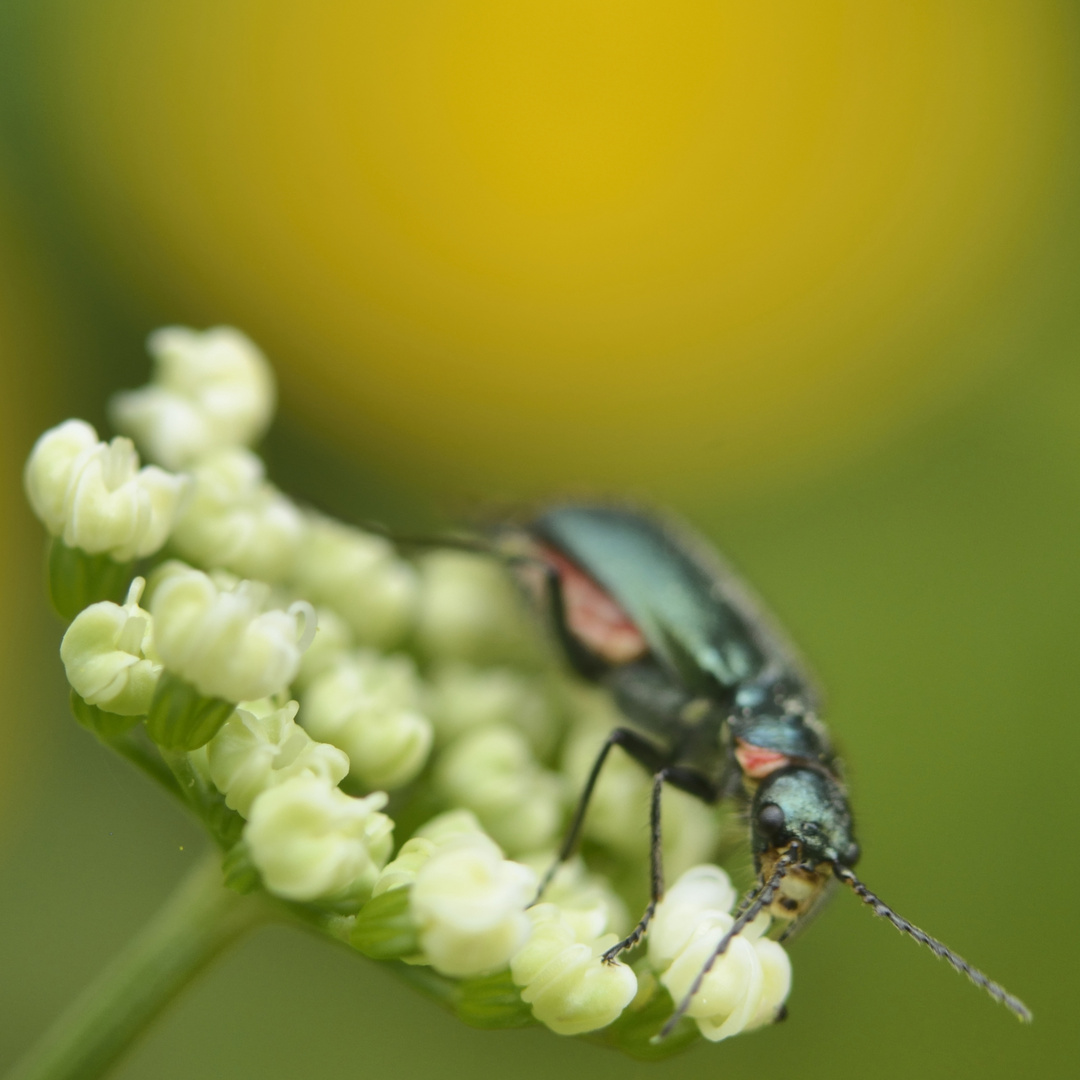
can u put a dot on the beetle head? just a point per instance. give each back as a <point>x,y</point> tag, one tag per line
<point>806,808</point>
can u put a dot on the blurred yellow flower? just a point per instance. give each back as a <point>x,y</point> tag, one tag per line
<point>573,242</point>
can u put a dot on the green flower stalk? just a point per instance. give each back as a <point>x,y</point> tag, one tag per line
<point>288,672</point>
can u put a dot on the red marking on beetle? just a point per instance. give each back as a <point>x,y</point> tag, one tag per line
<point>593,617</point>
<point>757,762</point>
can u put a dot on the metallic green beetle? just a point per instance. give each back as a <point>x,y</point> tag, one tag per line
<point>716,703</point>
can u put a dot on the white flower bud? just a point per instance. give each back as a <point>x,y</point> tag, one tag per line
<point>56,459</point>
<point>451,824</point>
<point>210,390</point>
<point>587,902</point>
<point>565,980</point>
<point>402,870</point>
<point>261,746</point>
<point>469,903</point>
<point>368,705</point>
<point>701,890</point>
<point>222,641</point>
<point>461,697</point>
<point>469,610</point>
<point>237,520</point>
<point>108,656</point>
<point>440,831</point>
<point>746,986</point>
<point>493,773</point>
<point>444,829</point>
<point>94,496</point>
<point>360,577</point>
<point>333,640</point>
<point>776,971</point>
<point>311,841</point>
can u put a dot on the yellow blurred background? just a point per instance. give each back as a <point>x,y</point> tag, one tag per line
<point>805,271</point>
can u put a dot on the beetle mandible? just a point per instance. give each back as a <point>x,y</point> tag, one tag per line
<point>715,702</point>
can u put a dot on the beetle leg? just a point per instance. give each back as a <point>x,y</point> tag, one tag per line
<point>638,748</point>
<point>656,874</point>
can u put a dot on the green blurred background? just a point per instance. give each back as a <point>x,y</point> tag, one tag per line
<point>806,272</point>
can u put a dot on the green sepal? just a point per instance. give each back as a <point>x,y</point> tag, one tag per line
<point>346,905</point>
<point>384,928</point>
<point>633,1032</point>
<point>105,725</point>
<point>492,1002</point>
<point>78,579</point>
<point>239,873</point>
<point>180,718</point>
<point>226,825</point>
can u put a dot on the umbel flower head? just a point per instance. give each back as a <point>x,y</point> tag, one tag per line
<point>380,747</point>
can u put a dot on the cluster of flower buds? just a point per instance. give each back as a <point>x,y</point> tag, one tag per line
<point>282,673</point>
<point>453,901</point>
<point>746,986</point>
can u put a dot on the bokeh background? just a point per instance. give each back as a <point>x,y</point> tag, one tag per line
<point>806,272</point>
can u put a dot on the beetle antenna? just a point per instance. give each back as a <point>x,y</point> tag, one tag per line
<point>882,910</point>
<point>474,544</point>
<point>748,898</point>
<point>478,545</point>
<point>749,914</point>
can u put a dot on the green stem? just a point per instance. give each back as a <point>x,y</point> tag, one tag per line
<point>207,802</point>
<point>197,922</point>
<point>146,758</point>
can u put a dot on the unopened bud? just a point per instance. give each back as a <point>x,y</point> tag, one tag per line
<point>237,520</point>
<point>462,697</point>
<point>745,986</point>
<point>470,611</point>
<point>222,641</point>
<point>311,841</point>
<point>493,773</point>
<point>210,390</point>
<point>108,656</point>
<point>569,986</point>
<point>469,903</point>
<point>261,746</point>
<point>94,497</point>
<point>361,577</point>
<point>368,705</point>
<point>333,640</point>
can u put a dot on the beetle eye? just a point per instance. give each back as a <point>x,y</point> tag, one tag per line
<point>851,855</point>
<point>771,819</point>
